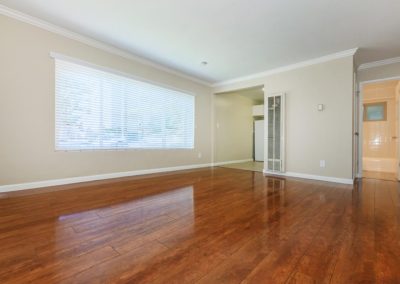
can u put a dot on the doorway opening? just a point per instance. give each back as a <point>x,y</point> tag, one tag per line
<point>379,117</point>
<point>239,129</point>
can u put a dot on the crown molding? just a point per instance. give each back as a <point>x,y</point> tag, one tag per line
<point>345,53</point>
<point>92,42</point>
<point>379,63</point>
<point>119,52</point>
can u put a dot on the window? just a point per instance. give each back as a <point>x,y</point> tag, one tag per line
<point>375,111</point>
<point>102,110</point>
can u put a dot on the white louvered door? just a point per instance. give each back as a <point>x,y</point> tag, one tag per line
<point>275,132</point>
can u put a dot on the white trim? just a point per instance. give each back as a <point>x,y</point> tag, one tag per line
<point>231,162</point>
<point>212,128</point>
<point>64,181</point>
<point>379,63</point>
<point>360,129</point>
<point>298,65</point>
<point>92,42</point>
<point>313,177</point>
<point>55,182</point>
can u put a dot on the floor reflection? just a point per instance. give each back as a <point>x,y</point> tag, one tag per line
<point>205,226</point>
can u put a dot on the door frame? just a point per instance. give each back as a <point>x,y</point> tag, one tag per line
<point>360,99</point>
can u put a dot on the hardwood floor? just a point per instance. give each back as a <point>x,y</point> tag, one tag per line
<point>202,226</point>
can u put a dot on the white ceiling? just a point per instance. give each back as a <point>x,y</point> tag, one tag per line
<point>236,37</point>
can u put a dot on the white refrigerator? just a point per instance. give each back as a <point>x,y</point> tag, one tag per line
<point>259,140</point>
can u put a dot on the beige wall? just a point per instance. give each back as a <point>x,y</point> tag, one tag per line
<point>27,111</point>
<point>311,135</point>
<point>377,135</point>
<point>233,136</point>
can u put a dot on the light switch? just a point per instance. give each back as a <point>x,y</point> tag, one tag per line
<point>320,107</point>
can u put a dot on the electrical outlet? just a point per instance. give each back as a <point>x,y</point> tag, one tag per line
<point>199,155</point>
<point>322,163</point>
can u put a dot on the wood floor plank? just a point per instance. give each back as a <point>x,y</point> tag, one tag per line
<point>212,225</point>
<point>278,265</point>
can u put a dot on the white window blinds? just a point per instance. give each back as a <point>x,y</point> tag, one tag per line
<point>102,110</point>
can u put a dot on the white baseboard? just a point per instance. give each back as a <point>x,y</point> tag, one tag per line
<point>64,181</point>
<point>314,177</point>
<point>231,162</point>
<point>55,182</point>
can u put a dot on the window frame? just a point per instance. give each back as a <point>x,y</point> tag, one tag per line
<point>365,115</point>
<point>84,63</point>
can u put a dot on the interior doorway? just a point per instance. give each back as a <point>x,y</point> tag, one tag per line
<point>379,129</point>
<point>239,129</point>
